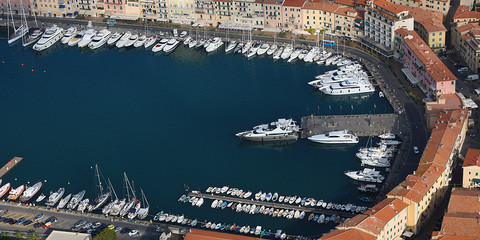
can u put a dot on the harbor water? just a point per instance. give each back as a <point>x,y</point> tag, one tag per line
<point>170,121</point>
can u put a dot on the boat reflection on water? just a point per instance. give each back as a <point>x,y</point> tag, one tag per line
<point>54,48</point>
<point>357,98</point>
<point>334,147</point>
<point>275,145</point>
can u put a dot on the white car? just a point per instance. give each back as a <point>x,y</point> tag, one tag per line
<point>134,232</point>
<point>415,150</point>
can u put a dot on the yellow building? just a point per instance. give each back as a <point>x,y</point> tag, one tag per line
<point>181,11</point>
<point>133,8</point>
<point>466,40</point>
<point>205,12</point>
<point>429,25</point>
<point>336,19</point>
<point>149,9</point>
<point>435,5</point>
<point>248,13</point>
<point>223,11</point>
<point>463,15</point>
<point>471,169</point>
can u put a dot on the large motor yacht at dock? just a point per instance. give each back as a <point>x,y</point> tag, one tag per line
<point>335,137</point>
<point>281,130</point>
<point>366,175</point>
<point>348,87</point>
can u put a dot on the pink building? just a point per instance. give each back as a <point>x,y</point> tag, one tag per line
<point>422,66</point>
<point>16,6</point>
<point>292,15</point>
<point>114,7</point>
<point>273,12</point>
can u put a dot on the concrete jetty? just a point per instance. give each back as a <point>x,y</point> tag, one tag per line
<point>10,164</point>
<point>363,125</point>
<point>327,212</point>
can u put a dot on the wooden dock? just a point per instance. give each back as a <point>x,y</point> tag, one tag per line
<point>363,125</point>
<point>10,164</point>
<point>327,212</point>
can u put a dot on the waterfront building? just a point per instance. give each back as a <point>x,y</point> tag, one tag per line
<point>463,15</point>
<point>382,19</point>
<point>149,10</point>
<point>248,13</point>
<point>422,66</point>
<point>16,6</point>
<point>429,25</point>
<point>443,102</point>
<point>461,221</point>
<point>205,12</point>
<point>425,188</point>
<point>273,14</point>
<point>335,19</point>
<point>291,12</point>
<point>88,8</point>
<point>223,11</point>
<point>181,11</point>
<point>466,40</point>
<point>471,169</point>
<point>385,220</point>
<point>162,11</point>
<point>114,8</point>
<point>435,5</point>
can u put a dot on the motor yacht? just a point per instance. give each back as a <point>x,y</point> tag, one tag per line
<point>118,207</point>
<point>253,50</point>
<point>15,193</point>
<point>311,54</point>
<point>171,45</point>
<point>287,52</point>
<point>278,53</point>
<point>231,46</point>
<point>263,49</point>
<point>69,34</point>
<point>64,201</point>
<point>77,38</point>
<point>33,37</point>
<point>366,175</point>
<point>387,135</point>
<point>347,87</point>
<point>100,39</point>
<point>187,41</point>
<point>295,54</point>
<point>246,47</point>
<point>215,44</point>
<point>76,200</point>
<point>335,137</point>
<point>4,189</point>
<point>121,42</point>
<point>55,197</point>
<point>376,162</point>
<point>272,49</point>
<point>49,37</point>
<point>140,41</point>
<point>302,54</point>
<point>131,40</point>
<point>238,48</point>
<point>368,188</point>
<point>192,43</point>
<point>159,46</point>
<point>30,192</point>
<point>280,130</point>
<point>82,206</point>
<point>87,38</point>
<point>114,38</point>
<point>150,41</point>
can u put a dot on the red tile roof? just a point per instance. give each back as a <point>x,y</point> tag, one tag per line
<point>463,12</point>
<point>390,7</point>
<point>472,158</point>
<point>350,3</point>
<point>432,21</point>
<point>273,2</point>
<point>352,234</point>
<point>293,3</point>
<point>196,234</point>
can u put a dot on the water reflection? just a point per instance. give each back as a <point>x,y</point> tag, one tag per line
<point>54,48</point>
<point>275,145</point>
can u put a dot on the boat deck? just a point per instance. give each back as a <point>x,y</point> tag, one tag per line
<point>327,212</point>
<point>9,165</point>
<point>363,125</point>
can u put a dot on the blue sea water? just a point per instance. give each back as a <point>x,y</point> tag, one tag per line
<point>170,120</point>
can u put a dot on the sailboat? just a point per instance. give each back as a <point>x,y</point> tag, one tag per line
<point>102,197</point>
<point>230,44</point>
<point>143,212</point>
<point>131,200</point>
<point>30,38</point>
<point>17,32</point>
<point>108,208</point>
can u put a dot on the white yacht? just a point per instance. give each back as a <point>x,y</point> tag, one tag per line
<point>74,41</point>
<point>192,43</point>
<point>347,87</point>
<point>272,49</point>
<point>231,45</point>
<point>215,44</point>
<point>76,200</point>
<point>287,52</point>
<point>171,45</point>
<point>69,34</point>
<point>263,49</point>
<point>376,162</point>
<point>246,47</point>
<point>366,175</point>
<point>187,41</point>
<point>54,197</point>
<point>87,38</point>
<point>150,41</point>
<point>33,37</point>
<point>335,137</point>
<point>302,54</point>
<point>140,41</point>
<point>131,40</point>
<point>121,42</point>
<point>30,192</point>
<point>64,201</point>
<point>328,81</point>
<point>100,39</point>
<point>387,135</point>
<point>295,54</point>
<point>278,53</point>
<point>159,46</point>
<point>311,54</point>
<point>341,70</point>
<point>114,38</point>
<point>49,37</point>
<point>253,50</point>
<point>280,130</point>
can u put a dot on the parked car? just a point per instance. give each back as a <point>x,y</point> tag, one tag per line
<point>38,217</point>
<point>87,225</point>
<point>38,225</point>
<point>133,232</point>
<point>96,225</point>
<point>52,219</point>
<point>79,223</point>
<point>117,229</point>
<point>47,225</point>
<point>415,150</point>
<point>21,221</point>
<point>463,69</point>
<point>472,77</point>
<point>28,222</point>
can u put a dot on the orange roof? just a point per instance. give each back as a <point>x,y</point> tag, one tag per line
<point>390,7</point>
<point>196,234</point>
<point>279,2</point>
<point>347,234</point>
<point>463,12</point>
<point>293,3</point>
<point>473,155</point>
<point>455,238</point>
<point>444,101</point>
<point>329,6</point>
<point>467,27</point>
<point>433,65</point>
<point>461,224</point>
<point>432,21</point>
<point>350,3</point>
<point>464,200</point>
<point>361,2</point>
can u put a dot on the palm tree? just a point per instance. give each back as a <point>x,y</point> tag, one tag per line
<point>6,234</point>
<point>19,236</point>
<point>33,236</point>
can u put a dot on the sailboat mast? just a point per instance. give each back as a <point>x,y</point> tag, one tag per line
<point>112,189</point>
<point>97,175</point>
<point>126,185</point>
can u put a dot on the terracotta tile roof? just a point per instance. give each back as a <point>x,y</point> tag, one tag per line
<point>350,3</point>
<point>433,65</point>
<point>293,3</point>
<point>196,234</point>
<point>390,7</point>
<point>463,200</point>
<point>472,158</point>
<point>361,2</point>
<point>432,21</point>
<point>467,27</point>
<point>347,234</point>
<point>276,2</point>
<point>223,0</point>
<point>464,12</point>
<point>455,238</point>
<point>329,6</point>
<point>444,101</point>
<point>462,224</point>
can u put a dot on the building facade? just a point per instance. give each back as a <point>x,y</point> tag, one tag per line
<point>272,10</point>
<point>181,11</point>
<point>466,40</point>
<point>291,12</point>
<point>471,169</point>
<point>205,12</point>
<point>442,6</point>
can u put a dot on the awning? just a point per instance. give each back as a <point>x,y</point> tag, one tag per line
<point>410,76</point>
<point>124,17</point>
<point>476,180</point>
<point>469,103</point>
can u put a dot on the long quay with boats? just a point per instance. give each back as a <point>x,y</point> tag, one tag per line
<point>362,125</point>
<point>273,205</point>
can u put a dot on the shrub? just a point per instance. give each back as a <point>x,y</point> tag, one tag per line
<point>106,234</point>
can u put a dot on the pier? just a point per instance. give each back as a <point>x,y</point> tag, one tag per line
<point>362,125</point>
<point>10,164</point>
<point>327,212</point>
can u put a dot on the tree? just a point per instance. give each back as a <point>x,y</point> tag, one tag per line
<point>6,234</point>
<point>107,234</point>
<point>19,236</point>
<point>33,236</point>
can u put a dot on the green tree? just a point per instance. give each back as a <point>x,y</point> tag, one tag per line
<point>33,236</point>
<point>6,234</point>
<point>19,236</point>
<point>106,234</point>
